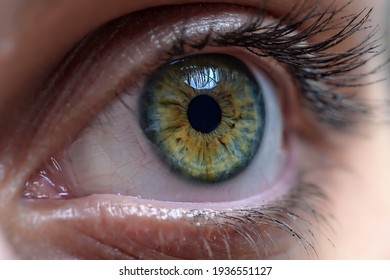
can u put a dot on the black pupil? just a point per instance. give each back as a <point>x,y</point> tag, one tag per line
<point>204,113</point>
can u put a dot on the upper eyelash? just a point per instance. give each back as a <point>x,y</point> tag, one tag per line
<point>320,73</point>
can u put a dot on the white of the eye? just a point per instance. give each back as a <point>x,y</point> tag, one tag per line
<point>271,157</point>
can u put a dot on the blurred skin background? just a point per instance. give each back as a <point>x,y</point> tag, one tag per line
<point>34,38</point>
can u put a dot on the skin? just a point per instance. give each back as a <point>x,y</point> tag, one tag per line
<point>35,35</point>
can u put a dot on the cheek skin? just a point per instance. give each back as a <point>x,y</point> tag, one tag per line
<point>5,251</point>
<point>360,195</point>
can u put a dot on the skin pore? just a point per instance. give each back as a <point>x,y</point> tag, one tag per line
<point>34,38</point>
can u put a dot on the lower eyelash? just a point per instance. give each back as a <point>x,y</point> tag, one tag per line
<point>289,217</point>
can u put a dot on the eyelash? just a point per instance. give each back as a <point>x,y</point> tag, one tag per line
<point>320,74</point>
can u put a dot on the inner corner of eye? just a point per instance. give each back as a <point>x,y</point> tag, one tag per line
<point>208,129</point>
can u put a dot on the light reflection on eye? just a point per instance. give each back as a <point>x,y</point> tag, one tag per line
<point>112,155</point>
<point>203,79</point>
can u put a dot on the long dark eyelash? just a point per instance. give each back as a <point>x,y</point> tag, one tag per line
<point>320,73</point>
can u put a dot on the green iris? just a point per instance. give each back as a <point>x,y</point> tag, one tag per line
<point>205,114</point>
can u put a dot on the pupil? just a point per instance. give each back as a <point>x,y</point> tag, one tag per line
<point>204,113</point>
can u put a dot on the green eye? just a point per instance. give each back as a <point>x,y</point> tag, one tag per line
<point>205,114</point>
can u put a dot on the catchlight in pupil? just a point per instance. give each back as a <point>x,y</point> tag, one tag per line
<point>205,115</point>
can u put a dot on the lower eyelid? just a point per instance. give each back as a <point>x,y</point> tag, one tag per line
<point>107,226</point>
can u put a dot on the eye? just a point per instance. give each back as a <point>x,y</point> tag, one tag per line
<point>195,127</point>
<point>234,153</point>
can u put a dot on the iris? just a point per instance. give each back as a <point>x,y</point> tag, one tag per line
<point>205,115</point>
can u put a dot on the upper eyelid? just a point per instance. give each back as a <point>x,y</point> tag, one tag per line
<point>85,18</point>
